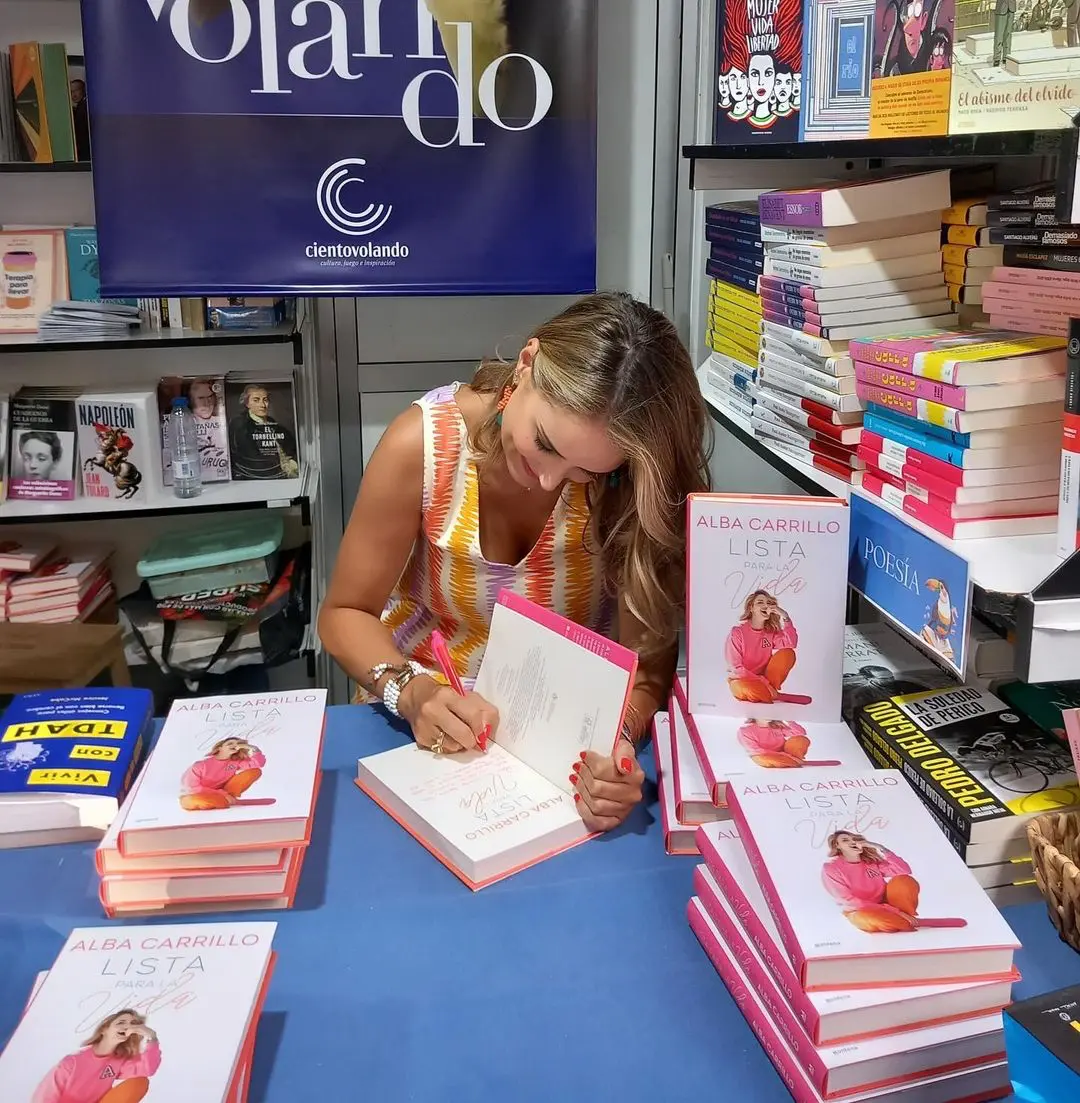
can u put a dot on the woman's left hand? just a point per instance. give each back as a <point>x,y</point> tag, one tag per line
<point>606,788</point>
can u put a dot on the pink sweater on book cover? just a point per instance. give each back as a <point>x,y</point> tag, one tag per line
<point>858,884</point>
<point>84,1077</point>
<point>762,739</point>
<point>215,773</point>
<point>748,650</point>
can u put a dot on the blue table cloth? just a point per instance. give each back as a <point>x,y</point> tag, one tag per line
<point>576,979</point>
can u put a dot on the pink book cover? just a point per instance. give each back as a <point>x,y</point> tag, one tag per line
<point>940,355</point>
<point>840,1068</point>
<point>1028,307</point>
<point>23,554</point>
<point>837,1016</point>
<point>901,382</point>
<point>1072,730</point>
<point>984,1082</point>
<point>1042,277</point>
<point>932,514</point>
<point>1065,297</point>
<point>1023,321</point>
<point>765,606</point>
<point>859,877</point>
<point>65,571</point>
<point>678,837</point>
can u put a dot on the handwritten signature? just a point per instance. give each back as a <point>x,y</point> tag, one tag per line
<point>480,800</point>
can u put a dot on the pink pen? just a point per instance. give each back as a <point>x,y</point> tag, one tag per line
<point>446,665</point>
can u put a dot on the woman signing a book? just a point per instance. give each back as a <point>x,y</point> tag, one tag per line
<point>561,476</point>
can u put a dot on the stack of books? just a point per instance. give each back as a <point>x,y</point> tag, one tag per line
<point>41,583</point>
<point>963,430</point>
<point>981,768</point>
<point>841,262</point>
<point>963,227</point>
<point>733,322</point>
<point>221,816</point>
<point>67,762</point>
<point>165,1012</point>
<point>860,951</point>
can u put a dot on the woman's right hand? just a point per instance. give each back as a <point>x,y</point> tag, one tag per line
<point>432,708</point>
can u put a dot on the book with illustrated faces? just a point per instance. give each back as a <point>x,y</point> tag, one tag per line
<point>731,894</point>
<point>261,417</point>
<point>561,691</point>
<point>732,748</point>
<point>837,1069</point>
<point>118,450</point>
<point>988,1080</point>
<point>206,401</point>
<point>864,887</point>
<point>165,1013</point>
<point>42,446</point>
<point>233,772</point>
<point>766,601</point>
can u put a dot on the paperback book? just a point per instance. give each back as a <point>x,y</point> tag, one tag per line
<point>234,772</point>
<point>166,1013</point>
<point>561,690</point>
<point>862,884</point>
<point>766,629</point>
<point>118,446</point>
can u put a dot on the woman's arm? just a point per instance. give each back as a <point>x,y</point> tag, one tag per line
<point>652,685</point>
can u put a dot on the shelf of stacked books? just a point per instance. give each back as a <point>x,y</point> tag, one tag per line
<point>145,337</point>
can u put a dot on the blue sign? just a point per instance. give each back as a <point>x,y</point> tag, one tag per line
<point>922,587</point>
<point>341,146</point>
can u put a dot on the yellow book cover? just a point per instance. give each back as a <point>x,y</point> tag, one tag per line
<point>731,293</point>
<point>718,343</point>
<point>28,85</point>
<point>736,335</point>
<point>911,76</point>
<point>965,212</point>
<point>964,235</point>
<point>727,315</point>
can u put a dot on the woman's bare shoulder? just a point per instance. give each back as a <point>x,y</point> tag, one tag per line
<point>399,455</point>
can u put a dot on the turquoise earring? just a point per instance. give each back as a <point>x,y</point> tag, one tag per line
<point>613,479</point>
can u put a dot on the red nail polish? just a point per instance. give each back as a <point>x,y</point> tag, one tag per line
<point>573,779</point>
<point>582,756</point>
<point>625,765</point>
<point>577,797</point>
<point>576,767</point>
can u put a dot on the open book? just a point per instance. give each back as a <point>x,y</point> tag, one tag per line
<point>560,690</point>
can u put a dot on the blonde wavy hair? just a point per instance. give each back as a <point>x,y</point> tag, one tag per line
<point>611,358</point>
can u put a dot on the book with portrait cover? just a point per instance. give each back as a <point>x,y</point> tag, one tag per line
<point>42,448</point>
<point>862,884</point>
<point>233,772</point>
<point>261,416</point>
<point>206,400</point>
<point>765,606</point>
<point>164,1012</point>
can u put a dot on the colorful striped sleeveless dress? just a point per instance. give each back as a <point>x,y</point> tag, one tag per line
<point>449,585</point>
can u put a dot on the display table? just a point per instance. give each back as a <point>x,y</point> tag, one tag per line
<point>576,979</point>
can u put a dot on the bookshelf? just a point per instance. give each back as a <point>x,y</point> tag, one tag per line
<point>157,339</point>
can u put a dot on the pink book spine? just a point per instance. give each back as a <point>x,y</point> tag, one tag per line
<point>911,461</point>
<point>779,1012</point>
<point>755,930</point>
<point>1072,730</point>
<point>768,887</point>
<point>902,382</point>
<point>1016,322</point>
<point>699,747</point>
<point>672,706</point>
<point>787,287</point>
<point>939,522</point>
<point>791,208</point>
<point>1065,298</point>
<point>794,1079</point>
<point>1042,277</point>
<point>615,653</point>
<point>1008,303</point>
<point>814,330</point>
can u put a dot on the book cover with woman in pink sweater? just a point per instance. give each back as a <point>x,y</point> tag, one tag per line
<point>778,744</point>
<point>874,886</point>
<point>223,776</point>
<point>760,651</point>
<point>114,1064</point>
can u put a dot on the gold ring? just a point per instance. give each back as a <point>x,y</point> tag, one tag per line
<point>437,746</point>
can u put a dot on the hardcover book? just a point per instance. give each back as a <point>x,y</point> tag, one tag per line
<point>118,446</point>
<point>838,39</point>
<point>166,1013</point>
<point>986,769</point>
<point>231,773</point>
<point>766,606</point>
<point>833,1017</point>
<point>694,802</point>
<point>758,71</point>
<point>678,836</point>
<point>838,1069</point>
<point>561,691</point>
<point>67,757</point>
<point>863,885</point>
<point>986,1081</point>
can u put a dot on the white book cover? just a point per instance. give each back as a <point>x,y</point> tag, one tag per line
<point>162,1012</point>
<point>766,606</point>
<point>118,449</point>
<point>693,793</point>
<point>840,1015</point>
<point>732,748</point>
<point>864,887</point>
<point>233,771</point>
<point>560,691</point>
<point>984,1081</point>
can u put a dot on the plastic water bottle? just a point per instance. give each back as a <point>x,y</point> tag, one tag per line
<point>184,446</point>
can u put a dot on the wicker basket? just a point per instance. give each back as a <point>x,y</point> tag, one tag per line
<point>1055,853</point>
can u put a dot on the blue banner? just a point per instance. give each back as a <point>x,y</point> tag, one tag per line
<point>342,146</point>
<point>924,588</point>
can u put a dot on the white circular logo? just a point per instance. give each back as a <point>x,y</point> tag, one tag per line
<point>336,215</point>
